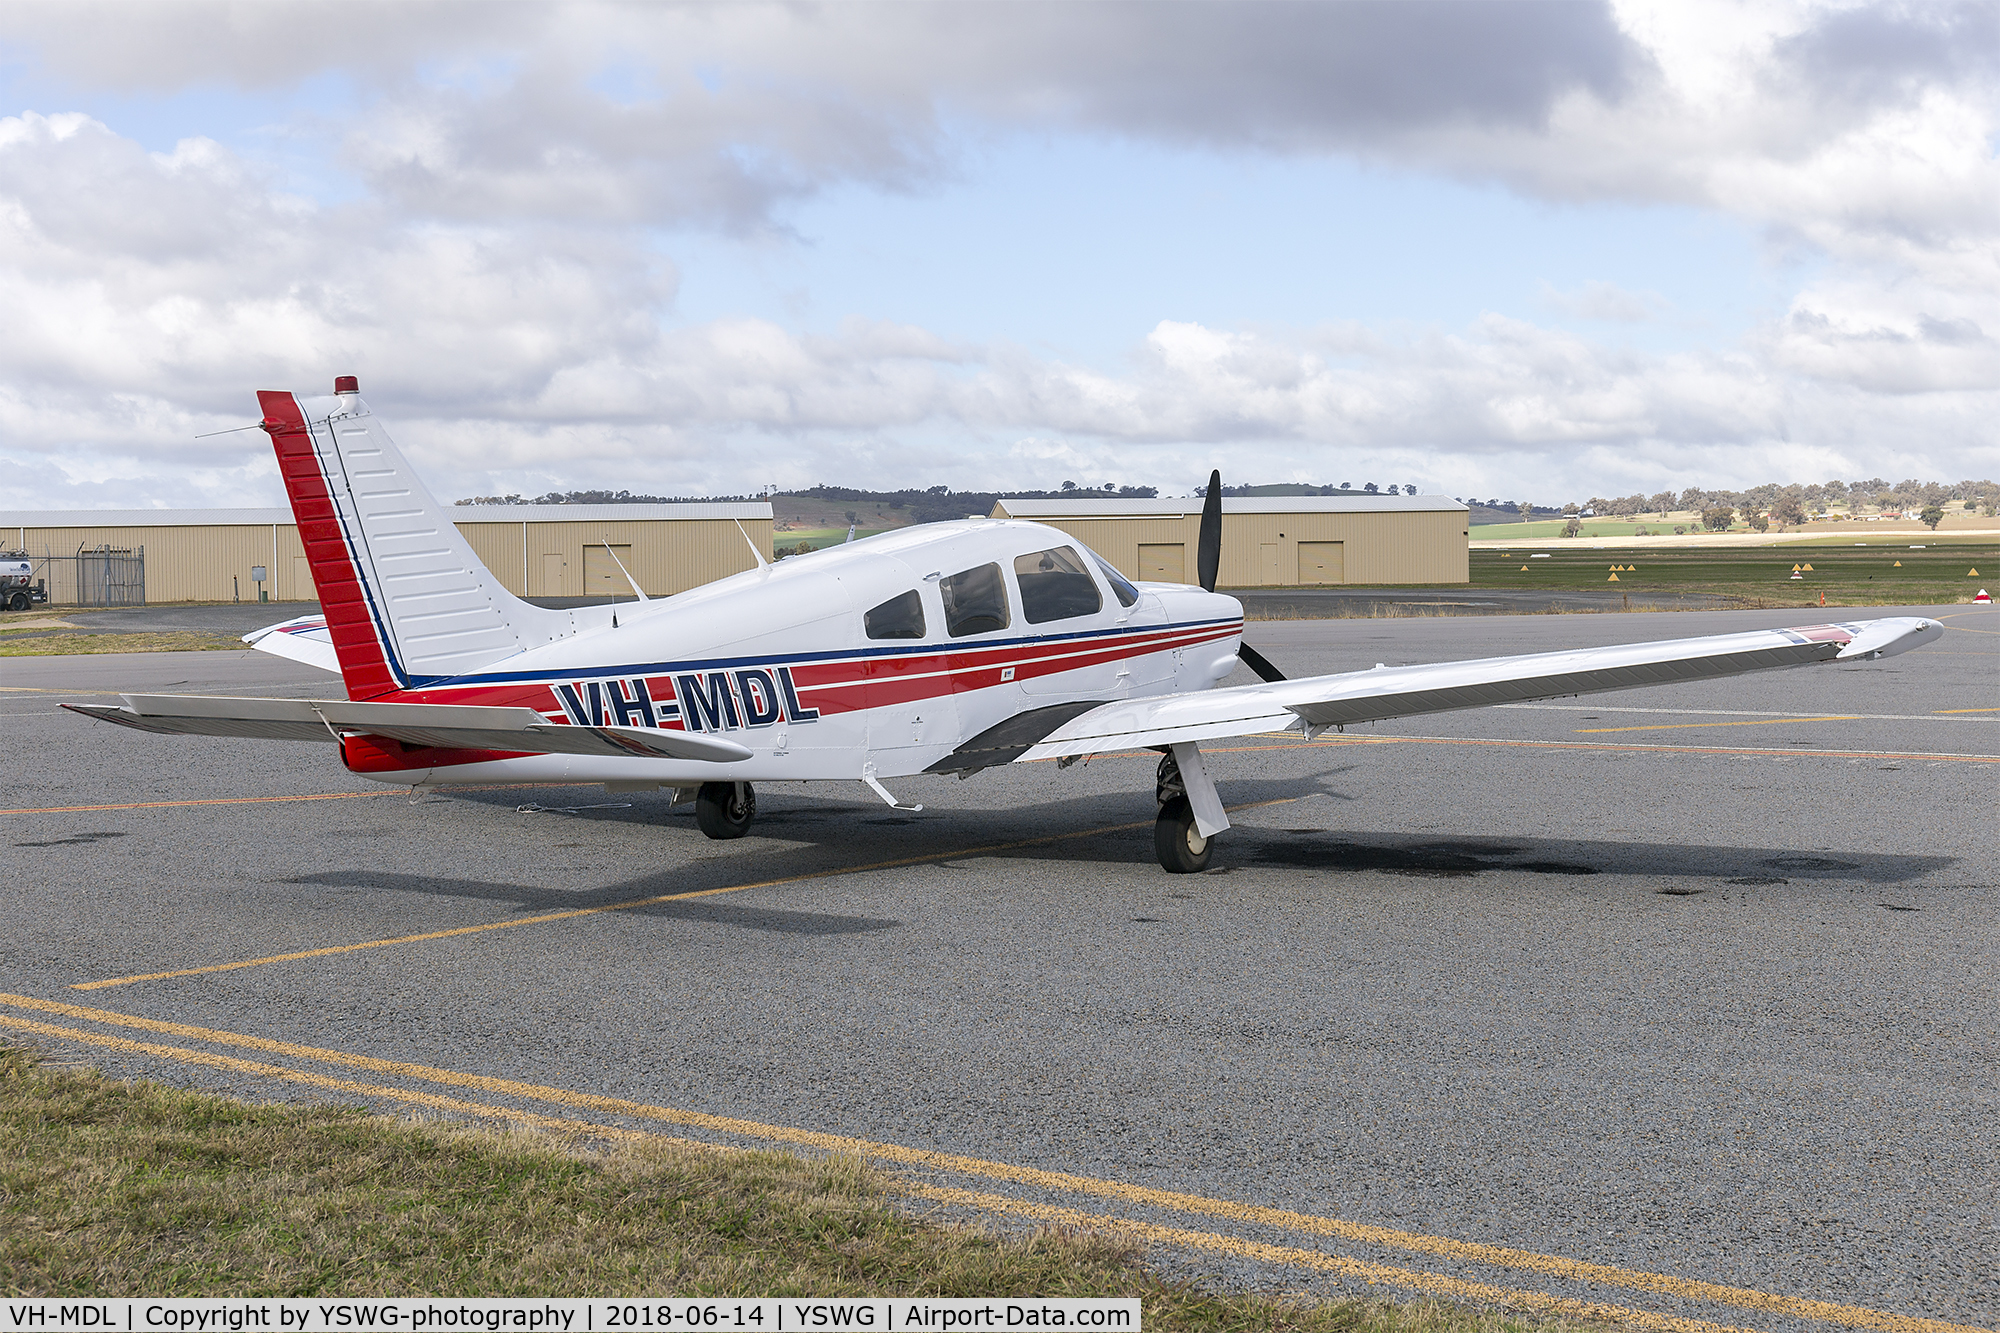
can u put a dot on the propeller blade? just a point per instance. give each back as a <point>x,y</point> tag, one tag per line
<point>1208,555</point>
<point>1258,663</point>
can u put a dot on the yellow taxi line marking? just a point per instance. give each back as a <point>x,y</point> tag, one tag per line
<point>398,790</point>
<point>1966,710</point>
<point>234,1065</point>
<point>1468,1251</point>
<point>1622,748</point>
<point>212,800</point>
<point>1438,1284</point>
<point>1435,1283</point>
<point>1754,722</point>
<point>332,949</point>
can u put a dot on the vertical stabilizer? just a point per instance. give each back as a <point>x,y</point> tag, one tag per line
<point>407,603</point>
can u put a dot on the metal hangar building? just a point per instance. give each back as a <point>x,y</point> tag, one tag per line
<point>213,555</point>
<point>1281,541</point>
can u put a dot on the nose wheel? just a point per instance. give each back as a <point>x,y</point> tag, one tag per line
<point>725,809</point>
<point>1180,845</point>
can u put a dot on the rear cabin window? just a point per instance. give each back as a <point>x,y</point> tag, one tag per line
<point>975,601</point>
<point>1127,594</point>
<point>898,618</point>
<point>1055,586</point>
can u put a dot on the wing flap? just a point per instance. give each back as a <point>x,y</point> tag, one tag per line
<point>1385,692</point>
<point>441,726</point>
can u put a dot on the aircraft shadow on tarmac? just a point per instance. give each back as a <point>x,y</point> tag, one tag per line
<point>1430,856</point>
<point>795,845</point>
<point>776,920</point>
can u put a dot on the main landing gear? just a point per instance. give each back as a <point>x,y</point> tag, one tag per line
<point>725,809</point>
<point>1180,844</point>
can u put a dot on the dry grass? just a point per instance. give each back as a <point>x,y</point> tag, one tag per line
<point>32,643</point>
<point>133,1187</point>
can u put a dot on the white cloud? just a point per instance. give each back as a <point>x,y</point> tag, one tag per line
<point>499,287</point>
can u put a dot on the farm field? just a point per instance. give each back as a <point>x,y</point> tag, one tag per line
<point>1876,574</point>
<point>787,543</point>
<point>1837,529</point>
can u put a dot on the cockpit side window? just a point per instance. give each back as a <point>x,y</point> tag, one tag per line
<point>901,617</point>
<point>1055,586</point>
<point>975,601</point>
<point>1127,594</point>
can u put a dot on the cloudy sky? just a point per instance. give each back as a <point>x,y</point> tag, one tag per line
<point>1496,249</point>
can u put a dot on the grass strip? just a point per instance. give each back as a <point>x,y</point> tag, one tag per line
<point>135,1187</point>
<point>58,643</point>
<point>1877,575</point>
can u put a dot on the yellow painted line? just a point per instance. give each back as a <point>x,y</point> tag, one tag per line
<point>1436,1284</point>
<point>575,912</point>
<point>1618,748</point>
<point>234,1065</point>
<point>214,800</point>
<point>1253,1214</point>
<point>1965,710</point>
<point>1754,722</point>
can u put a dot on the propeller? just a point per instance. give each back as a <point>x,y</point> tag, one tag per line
<point>1208,563</point>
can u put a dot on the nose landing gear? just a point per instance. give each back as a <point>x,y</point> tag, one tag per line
<point>725,809</point>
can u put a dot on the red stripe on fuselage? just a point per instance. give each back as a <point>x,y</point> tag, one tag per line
<point>845,685</point>
<point>349,621</point>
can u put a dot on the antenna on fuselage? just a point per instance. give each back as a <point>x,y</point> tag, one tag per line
<point>762,563</point>
<point>641,592</point>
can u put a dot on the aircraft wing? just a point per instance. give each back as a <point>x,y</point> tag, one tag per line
<point>304,639</point>
<point>1318,702</point>
<point>447,726</point>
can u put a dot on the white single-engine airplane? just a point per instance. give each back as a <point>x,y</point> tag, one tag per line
<point>944,648</point>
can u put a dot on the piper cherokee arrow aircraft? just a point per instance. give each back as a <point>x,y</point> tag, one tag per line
<point>942,648</point>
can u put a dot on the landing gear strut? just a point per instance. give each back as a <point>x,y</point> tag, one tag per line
<point>1182,848</point>
<point>725,809</point>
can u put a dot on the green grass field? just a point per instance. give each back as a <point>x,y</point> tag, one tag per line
<point>117,1185</point>
<point>1878,574</point>
<point>1610,527</point>
<point>785,543</point>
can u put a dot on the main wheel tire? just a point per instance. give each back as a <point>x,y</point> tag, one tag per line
<point>1179,844</point>
<point>725,809</point>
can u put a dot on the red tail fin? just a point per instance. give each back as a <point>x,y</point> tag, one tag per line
<point>350,619</point>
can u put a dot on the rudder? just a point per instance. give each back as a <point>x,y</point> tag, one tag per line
<point>407,602</point>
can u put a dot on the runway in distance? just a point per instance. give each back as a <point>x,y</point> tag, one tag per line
<point>942,648</point>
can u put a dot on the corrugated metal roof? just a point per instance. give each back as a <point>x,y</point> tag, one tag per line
<point>608,513</point>
<point>1274,504</point>
<point>195,518</point>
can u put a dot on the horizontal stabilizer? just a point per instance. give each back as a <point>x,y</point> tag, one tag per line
<point>444,726</point>
<point>1318,702</point>
<point>305,639</point>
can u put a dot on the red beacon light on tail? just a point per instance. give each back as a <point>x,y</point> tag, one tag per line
<point>346,384</point>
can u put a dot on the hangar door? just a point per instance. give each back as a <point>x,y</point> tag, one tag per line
<point>601,577</point>
<point>1322,562</point>
<point>1163,563</point>
<point>554,569</point>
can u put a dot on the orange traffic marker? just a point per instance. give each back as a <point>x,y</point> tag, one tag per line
<point>1972,573</point>
<point>1524,569</point>
<point>1612,579</point>
<point>1807,567</point>
<point>1899,564</point>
